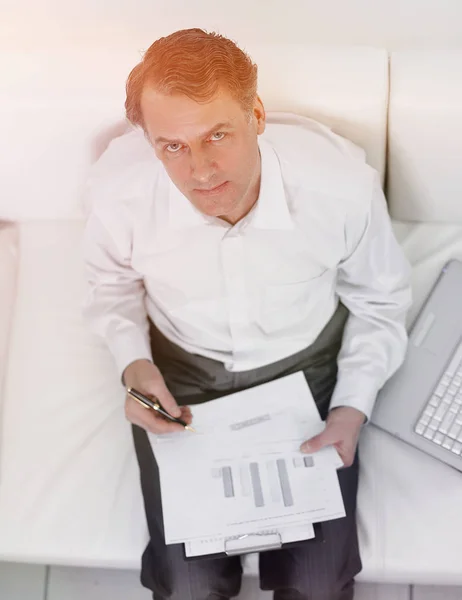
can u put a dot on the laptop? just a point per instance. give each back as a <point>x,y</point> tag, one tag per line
<point>421,404</point>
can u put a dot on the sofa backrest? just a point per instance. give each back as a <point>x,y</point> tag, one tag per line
<point>424,140</point>
<point>345,88</point>
<point>63,107</point>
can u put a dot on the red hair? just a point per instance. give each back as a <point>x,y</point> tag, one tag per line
<point>194,63</point>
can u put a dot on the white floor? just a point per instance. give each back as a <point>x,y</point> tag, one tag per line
<point>36,582</point>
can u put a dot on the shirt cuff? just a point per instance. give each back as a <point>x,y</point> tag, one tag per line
<point>127,346</point>
<point>356,392</point>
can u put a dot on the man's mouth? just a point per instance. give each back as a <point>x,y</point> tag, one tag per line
<point>212,191</point>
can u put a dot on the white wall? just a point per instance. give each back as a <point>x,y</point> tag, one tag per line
<point>393,24</point>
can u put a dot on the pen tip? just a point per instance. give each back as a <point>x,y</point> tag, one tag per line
<point>189,428</point>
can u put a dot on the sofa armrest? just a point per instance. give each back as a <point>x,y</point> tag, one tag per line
<point>9,263</point>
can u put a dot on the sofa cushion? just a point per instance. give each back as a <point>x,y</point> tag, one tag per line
<point>64,107</point>
<point>70,491</point>
<point>425,145</point>
<point>409,503</point>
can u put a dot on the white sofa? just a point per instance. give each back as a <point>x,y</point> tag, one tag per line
<point>69,491</point>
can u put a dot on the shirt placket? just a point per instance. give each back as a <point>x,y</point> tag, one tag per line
<point>233,261</point>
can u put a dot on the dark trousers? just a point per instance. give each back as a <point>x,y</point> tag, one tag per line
<point>313,570</point>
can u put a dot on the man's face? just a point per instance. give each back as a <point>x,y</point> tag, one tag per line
<point>210,151</point>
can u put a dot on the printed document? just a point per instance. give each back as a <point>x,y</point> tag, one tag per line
<point>242,472</point>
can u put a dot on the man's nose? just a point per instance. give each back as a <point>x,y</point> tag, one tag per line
<point>203,168</point>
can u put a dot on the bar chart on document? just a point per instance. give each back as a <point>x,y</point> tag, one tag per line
<point>245,484</point>
<point>243,470</point>
<point>260,483</point>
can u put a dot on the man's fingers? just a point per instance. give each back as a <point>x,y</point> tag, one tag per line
<point>186,414</point>
<point>168,403</point>
<point>317,442</point>
<point>160,425</point>
<point>148,419</point>
<point>347,453</point>
<point>348,459</point>
<point>157,424</point>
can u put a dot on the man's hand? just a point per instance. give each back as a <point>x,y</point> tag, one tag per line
<point>343,425</point>
<point>146,378</point>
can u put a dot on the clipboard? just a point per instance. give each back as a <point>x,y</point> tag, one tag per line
<point>256,542</point>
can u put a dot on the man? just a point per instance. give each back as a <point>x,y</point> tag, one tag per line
<point>222,254</point>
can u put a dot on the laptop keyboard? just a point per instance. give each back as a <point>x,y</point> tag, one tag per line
<point>441,418</point>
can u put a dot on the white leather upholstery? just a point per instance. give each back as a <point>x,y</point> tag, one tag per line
<point>425,141</point>
<point>65,106</point>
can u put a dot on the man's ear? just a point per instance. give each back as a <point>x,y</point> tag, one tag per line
<point>259,114</point>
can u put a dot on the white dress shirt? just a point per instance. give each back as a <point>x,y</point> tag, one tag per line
<point>253,293</point>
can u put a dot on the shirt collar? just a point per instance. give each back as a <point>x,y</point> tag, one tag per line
<point>269,212</point>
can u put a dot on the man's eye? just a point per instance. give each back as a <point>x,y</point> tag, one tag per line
<point>220,135</point>
<point>173,148</point>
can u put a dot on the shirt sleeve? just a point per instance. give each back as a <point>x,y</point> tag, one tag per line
<point>114,305</point>
<point>374,284</point>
